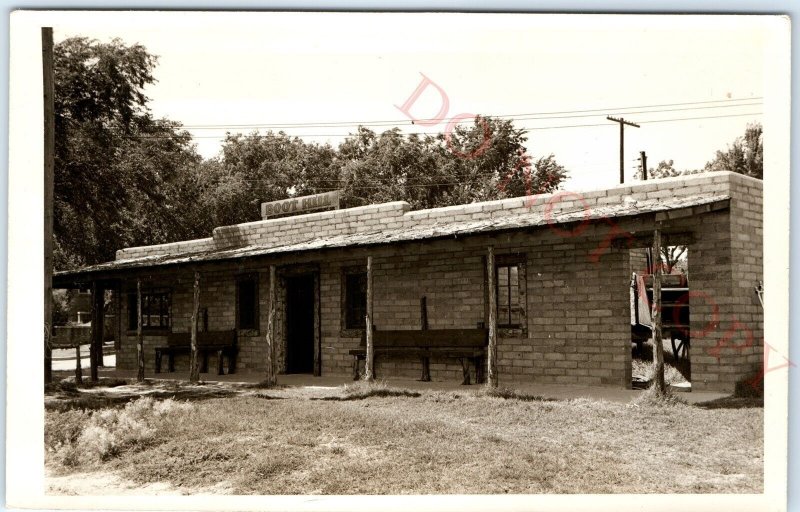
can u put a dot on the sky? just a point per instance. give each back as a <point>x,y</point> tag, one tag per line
<point>236,72</point>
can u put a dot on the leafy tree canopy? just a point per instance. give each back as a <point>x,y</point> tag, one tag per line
<point>116,168</point>
<point>123,178</point>
<point>745,155</point>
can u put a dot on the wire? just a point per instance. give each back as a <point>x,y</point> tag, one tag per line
<point>524,128</point>
<point>534,115</point>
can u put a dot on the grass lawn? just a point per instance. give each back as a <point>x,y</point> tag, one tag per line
<point>380,440</point>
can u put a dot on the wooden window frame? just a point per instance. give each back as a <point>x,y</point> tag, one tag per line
<point>507,260</point>
<point>345,330</point>
<point>133,310</point>
<point>249,331</point>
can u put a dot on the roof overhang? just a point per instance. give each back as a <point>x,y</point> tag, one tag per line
<point>660,211</point>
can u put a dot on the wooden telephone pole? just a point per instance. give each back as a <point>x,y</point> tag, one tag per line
<point>622,124</point>
<point>643,158</point>
<point>49,144</point>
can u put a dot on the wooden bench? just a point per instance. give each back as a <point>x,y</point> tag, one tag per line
<point>221,343</point>
<point>468,345</point>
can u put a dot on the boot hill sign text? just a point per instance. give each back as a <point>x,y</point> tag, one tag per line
<point>300,204</point>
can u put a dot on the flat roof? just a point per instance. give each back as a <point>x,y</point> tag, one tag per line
<point>439,230</point>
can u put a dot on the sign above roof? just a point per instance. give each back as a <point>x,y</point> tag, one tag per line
<point>301,204</point>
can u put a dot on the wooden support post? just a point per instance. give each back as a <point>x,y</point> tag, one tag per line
<point>194,369</point>
<point>95,333</point>
<point>317,329</point>
<point>139,337</point>
<point>423,322</point>
<point>271,378</point>
<point>78,371</point>
<point>658,348</point>
<point>101,325</point>
<point>118,318</point>
<point>491,353</point>
<point>49,151</point>
<point>370,357</point>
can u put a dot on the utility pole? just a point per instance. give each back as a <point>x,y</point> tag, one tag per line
<point>643,158</point>
<point>49,143</point>
<point>622,122</point>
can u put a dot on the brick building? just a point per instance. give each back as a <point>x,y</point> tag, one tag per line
<point>563,264</point>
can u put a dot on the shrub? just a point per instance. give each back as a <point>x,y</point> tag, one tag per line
<point>76,436</point>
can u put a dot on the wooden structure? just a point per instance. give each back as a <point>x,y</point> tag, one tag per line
<point>221,344</point>
<point>56,344</point>
<point>469,346</point>
<point>675,313</point>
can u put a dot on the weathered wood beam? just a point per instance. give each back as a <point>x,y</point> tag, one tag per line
<point>271,378</point>
<point>78,370</point>
<point>658,348</point>
<point>491,353</point>
<point>194,369</point>
<point>117,317</point>
<point>317,330</point>
<point>139,337</point>
<point>423,323</point>
<point>645,240</point>
<point>370,356</point>
<point>691,211</point>
<point>96,332</point>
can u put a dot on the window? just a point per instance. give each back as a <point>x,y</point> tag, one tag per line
<point>508,300</point>
<point>510,292</point>
<point>247,302</point>
<point>355,299</point>
<point>156,310</point>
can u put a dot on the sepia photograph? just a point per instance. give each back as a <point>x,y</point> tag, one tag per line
<point>399,254</point>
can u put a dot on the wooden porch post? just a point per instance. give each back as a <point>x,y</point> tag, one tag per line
<point>369,359</point>
<point>78,370</point>
<point>139,338</point>
<point>423,325</point>
<point>491,354</point>
<point>194,369</point>
<point>658,348</point>
<point>271,378</point>
<point>96,332</point>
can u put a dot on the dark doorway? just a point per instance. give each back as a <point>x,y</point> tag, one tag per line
<point>300,324</point>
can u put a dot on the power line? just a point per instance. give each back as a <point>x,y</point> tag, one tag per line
<point>526,128</point>
<point>729,103</point>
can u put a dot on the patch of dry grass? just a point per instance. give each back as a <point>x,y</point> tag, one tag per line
<point>646,370</point>
<point>388,442</point>
<point>75,437</point>
<point>361,390</point>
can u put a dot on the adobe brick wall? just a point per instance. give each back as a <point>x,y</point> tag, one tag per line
<point>730,268</point>
<point>578,317</point>
<point>397,215</point>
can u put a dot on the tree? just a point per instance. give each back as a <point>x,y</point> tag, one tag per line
<point>484,161</point>
<point>745,155</point>
<point>256,168</point>
<point>671,256</point>
<point>115,166</point>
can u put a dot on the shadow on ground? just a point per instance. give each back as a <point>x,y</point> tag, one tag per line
<point>112,393</point>
<point>732,402</point>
